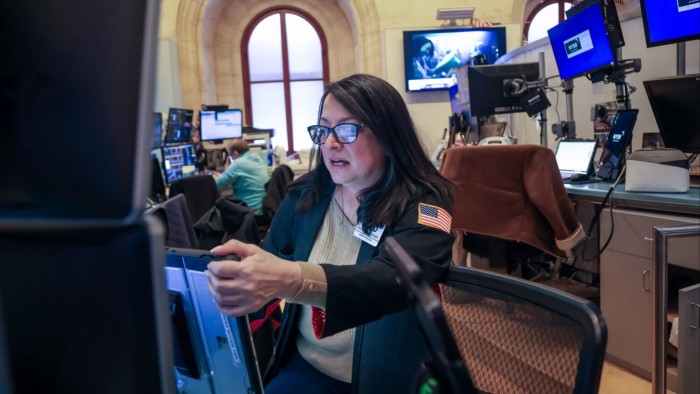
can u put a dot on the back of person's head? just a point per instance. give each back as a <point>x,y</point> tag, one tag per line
<point>238,145</point>
<point>409,171</point>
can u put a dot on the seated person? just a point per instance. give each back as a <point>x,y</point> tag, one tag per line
<point>248,175</point>
<point>346,324</point>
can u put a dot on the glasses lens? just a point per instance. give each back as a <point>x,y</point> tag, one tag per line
<point>318,134</point>
<point>346,132</point>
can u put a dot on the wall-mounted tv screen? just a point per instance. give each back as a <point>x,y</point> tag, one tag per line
<point>220,125</point>
<point>432,57</point>
<point>179,126</point>
<point>670,21</point>
<point>580,44</point>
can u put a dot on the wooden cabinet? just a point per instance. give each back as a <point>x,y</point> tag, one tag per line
<point>626,282</point>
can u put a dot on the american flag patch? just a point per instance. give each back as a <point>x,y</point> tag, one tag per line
<point>434,216</point>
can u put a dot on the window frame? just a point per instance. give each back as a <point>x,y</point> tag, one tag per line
<point>286,80</point>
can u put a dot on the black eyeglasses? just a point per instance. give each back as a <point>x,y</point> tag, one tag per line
<point>345,133</point>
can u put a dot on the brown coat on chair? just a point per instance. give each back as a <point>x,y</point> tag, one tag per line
<point>513,192</point>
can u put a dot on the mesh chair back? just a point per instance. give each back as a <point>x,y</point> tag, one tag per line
<point>517,336</point>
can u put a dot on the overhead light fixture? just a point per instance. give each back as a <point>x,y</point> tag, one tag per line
<point>451,15</point>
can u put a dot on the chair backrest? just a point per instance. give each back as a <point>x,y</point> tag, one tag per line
<point>276,188</point>
<point>517,336</point>
<point>200,191</point>
<point>175,217</point>
<point>512,192</point>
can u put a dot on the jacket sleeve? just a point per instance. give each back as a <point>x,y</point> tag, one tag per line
<point>369,290</point>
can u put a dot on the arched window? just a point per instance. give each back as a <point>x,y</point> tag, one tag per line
<point>285,68</point>
<point>543,17</point>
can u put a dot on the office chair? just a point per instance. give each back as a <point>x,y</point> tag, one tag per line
<point>275,189</point>
<point>510,203</point>
<point>175,217</point>
<point>512,335</point>
<point>200,191</point>
<point>520,336</point>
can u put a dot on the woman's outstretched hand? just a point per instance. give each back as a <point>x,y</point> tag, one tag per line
<point>245,286</point>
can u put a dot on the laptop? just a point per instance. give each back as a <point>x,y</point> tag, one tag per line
<point>575,156</point>
<point>619,139</point>
<point>213,353</point>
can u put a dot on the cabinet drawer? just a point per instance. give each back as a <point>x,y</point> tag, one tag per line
<point>634,231</point>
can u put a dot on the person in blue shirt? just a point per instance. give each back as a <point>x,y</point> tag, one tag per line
<point>247,174</point>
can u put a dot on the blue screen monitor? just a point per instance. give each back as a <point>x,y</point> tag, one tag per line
<point>220,125</point>
<point>213,353</point>
<point>179,127</point>
<point>670,21</point>
<point>580,44</point>
<point>179,161</point>
<point>157,130</point>
<point>432,57</point>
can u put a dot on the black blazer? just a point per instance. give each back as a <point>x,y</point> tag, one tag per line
<point>388,345</point>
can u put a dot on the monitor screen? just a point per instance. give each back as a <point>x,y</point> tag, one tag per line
<point>619,138</point>
<point>179,127</point>
<point>670,21</point>
<point>431,57</point>
<point>157,130</point>
<point>487,87</point>
<point>675,102</point>
<point>220,125</point>
<point>179,161</point>
<point>580,44</point>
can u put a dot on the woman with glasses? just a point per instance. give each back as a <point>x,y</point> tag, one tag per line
<point>346,327</point>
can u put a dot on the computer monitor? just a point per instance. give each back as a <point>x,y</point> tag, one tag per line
<point>581,44</point>
<point>488,87</point>
<point>213,353</point>
<point>669,22</point>
<point>214,107</point>
<point>157,130</point>
<point>675,102</point>
<point>179,161</point>
<point>107,329</point>
<point>217,126</point>
<point>78,83</point>
<point>179,126</point>
<point>431,57</point>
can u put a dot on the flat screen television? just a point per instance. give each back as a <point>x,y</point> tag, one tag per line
<point>217,126</point>
<point>157,130</point>
<point>670,21</point>
<point>431,57</point>
<point>179,126</point>
<point>675,102</point>
<point>580,44</point>
<point>487,87</point>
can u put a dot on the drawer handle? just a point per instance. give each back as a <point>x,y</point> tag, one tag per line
<point>644,280</point>
<point>648,239</point>
<point>692,304</point>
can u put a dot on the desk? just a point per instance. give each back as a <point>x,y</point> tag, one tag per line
<point>626,279</point>
<point>685,203</point>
